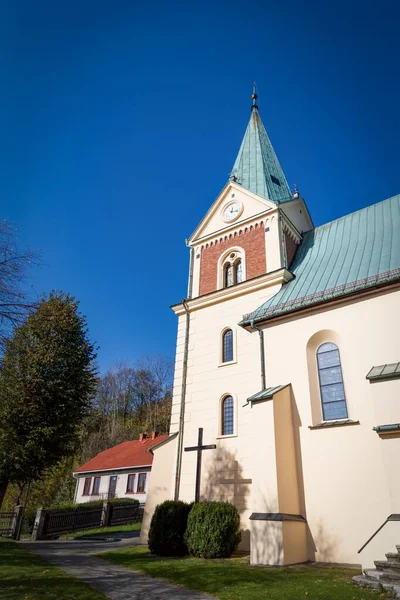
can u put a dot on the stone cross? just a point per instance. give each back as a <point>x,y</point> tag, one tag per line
<point>199,449</point>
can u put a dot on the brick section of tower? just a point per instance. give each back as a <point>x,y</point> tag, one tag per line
<point>291,248</point>
<point>253,244</point>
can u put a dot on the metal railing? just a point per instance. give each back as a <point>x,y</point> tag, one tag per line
<point>6,523</point>
<point>393,517</point>
<point>126,513</point>
<point>60,521</point>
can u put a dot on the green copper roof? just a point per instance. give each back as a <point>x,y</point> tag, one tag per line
<point>257,167</point>
<point>356,252</point>
<point>266,394</point>
<point>382,372</point>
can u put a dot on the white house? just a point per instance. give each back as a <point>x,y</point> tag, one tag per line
<point>288,360</point>
<point>119,472</point>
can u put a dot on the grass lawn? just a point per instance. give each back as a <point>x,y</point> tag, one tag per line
<point>233,579</point>
<point>101,531</point>
<point>26,576</point>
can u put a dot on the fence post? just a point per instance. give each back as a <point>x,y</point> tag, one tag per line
<point>17,522</point>
<point>38,527</point>
<point>105,515</point>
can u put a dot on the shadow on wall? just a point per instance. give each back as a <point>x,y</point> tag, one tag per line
<point>225,482</point>
<point>266,539</point>
<point>321,546</point>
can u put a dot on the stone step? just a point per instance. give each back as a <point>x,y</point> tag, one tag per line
<point>372,584</point>
<point>373,573</point>
<point>393,556</point>
<point>377,584</point>
<point>388,566</point>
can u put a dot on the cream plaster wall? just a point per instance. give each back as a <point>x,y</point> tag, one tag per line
<point>350,476</point>
<point>297,213</point>
<point>226,468</point>
<point>162,487</point>
<point>122,481</point>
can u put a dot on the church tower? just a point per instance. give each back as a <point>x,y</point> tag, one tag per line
<point>254,226</point>
<point>240,256</point>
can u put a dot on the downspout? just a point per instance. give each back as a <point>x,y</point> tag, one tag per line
<point>184,377</point>
<point>262,353</point>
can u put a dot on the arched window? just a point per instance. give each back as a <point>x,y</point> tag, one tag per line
<point>227,346</point>
<point>331,386</point>
<point>239,271</point>
<point>231,268</point>
<point>228,275</point>
<point>227,416</point>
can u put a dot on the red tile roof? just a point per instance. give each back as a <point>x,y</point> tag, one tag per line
<point>128,454</point>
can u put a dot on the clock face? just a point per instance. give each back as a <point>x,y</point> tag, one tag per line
<point>232,211</point>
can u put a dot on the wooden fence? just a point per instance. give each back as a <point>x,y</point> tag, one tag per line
<point>50,523</point>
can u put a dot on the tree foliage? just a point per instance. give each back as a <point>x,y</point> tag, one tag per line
<point>128,400</point>
<point>47,379</point>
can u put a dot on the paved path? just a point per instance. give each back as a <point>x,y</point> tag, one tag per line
<point>118,583</point>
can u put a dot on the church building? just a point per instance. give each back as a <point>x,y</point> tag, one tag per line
<point>287,370</point>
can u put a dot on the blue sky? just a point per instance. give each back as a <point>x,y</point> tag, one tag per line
<point>120,122</point>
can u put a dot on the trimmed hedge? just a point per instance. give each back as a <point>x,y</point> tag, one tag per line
<point>93,504</point>
<point>213,530</point>
<point>167,528</point>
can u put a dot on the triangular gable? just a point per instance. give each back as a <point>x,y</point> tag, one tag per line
<point>232,192</point>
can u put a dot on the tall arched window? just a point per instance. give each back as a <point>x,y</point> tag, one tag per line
<point>228,275</point>
<point>227,346</point>
<point>227,419</point>
<point>333,398</point>
<point>239,271</point>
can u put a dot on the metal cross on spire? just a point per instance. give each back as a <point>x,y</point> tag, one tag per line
<point>254,97</point>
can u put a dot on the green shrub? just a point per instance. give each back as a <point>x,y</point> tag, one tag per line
<point>94,504</point>
<point>167,528</point>
<point>213,530</point>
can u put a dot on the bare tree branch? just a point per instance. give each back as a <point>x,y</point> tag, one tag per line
<point>15,301</point>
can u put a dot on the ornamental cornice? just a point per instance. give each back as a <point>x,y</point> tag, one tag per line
<point>280,276</point>
<point>290,229</point>
<point>233,231</point>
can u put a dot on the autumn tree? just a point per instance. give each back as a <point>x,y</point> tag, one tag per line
<point>47,379</point>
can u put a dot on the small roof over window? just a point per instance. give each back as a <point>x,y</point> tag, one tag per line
<point>391,371</point>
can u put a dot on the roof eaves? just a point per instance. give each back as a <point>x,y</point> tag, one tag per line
<point>266,394</point>
<point>110,469</point>
<point>384,372</point>
<point>162,442</point>
<point>321,297</point>
<point>387,429</point>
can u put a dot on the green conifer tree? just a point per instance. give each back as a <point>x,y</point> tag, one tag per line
<point>47,378</point>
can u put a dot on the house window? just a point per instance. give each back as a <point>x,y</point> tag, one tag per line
<point>96,486</point>
<point>141,484</point>
<point>227,346</point>
<point>86,487</point>
<point>227,416</point>
<point>130,483</point>
<point>333,398</point>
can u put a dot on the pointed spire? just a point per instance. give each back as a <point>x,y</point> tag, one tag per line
<point>256,166</point>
